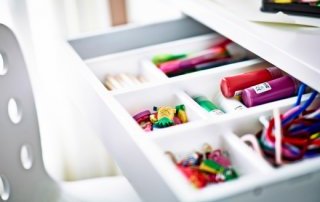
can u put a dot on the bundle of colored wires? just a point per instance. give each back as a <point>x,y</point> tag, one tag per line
<point>298,135</point>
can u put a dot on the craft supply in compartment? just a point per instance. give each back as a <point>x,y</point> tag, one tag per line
<point>220,52</point>
<point>206,104</point>
<point>161,117</point>
<point>291,135</point>
<point>202,155</point>
<point>273,90</point>
<point>159,107</point>
<point>123,80</point>
<point>130,69</point>
<point>232,85</point>
<point>211,98</point>
<point>259,87</point>
<point>124,71</point>
<point>206,166</point>
<point>207,88</point>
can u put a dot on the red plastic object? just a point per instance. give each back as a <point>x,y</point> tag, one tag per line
<point>142,116</point>
<point>229,85</point>
<point>197,178</point>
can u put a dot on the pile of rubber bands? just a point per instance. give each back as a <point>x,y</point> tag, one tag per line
<point>291,136</point>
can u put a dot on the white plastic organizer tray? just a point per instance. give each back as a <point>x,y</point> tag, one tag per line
<point>141,155</point>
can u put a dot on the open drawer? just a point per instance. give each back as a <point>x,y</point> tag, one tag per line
<point>141,155</point>
<point>267,35</point>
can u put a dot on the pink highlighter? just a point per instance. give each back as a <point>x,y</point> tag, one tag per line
<point>273,90</point>
<point>183,65</point>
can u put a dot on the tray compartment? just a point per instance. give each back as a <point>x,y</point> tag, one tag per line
<point>182,143</point>
<point>167,95</point>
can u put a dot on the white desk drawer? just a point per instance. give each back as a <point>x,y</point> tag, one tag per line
<point>141,156</point>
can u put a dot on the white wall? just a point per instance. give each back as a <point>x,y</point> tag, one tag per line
<point>85,16</point>
<point>147,11</point>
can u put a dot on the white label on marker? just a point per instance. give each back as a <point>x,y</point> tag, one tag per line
<point>261,88</point>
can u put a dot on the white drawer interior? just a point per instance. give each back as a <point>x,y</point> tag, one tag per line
<point>220,132</point>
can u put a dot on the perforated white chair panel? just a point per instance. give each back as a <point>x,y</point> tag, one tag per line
<point>22,172</point>
<point>20,152</point>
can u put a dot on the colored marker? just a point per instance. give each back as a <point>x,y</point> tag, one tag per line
<point>308,1</point>
<point>206,104</point>
<point>276,89</point>
<point>184,65</point>
<point>159,59</point>
<point>231,84</point>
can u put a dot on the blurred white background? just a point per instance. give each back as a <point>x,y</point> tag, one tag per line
<point>83,16</point>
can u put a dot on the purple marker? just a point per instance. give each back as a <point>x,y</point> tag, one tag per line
<point>276,89</point>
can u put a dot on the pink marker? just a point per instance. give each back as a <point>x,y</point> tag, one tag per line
<point>308,1</point>
<point>177,66</point>
<point>276,89</point>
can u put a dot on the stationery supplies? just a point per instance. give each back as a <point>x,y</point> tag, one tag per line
<point>123,80</point>
<point>206,104</point>
<point>162,117</point>
<point>291,136</point>
<point>231,85</point>
<point>276,89</point>
<point>208,166</point>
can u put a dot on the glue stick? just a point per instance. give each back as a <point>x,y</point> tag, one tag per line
<point>206,104</point>
<point>276,89</point>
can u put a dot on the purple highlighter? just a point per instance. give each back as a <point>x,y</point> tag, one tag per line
<point>273,90</point>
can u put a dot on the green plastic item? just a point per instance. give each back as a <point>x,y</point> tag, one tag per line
<point>163,122</point>
<point>206,104</point>
<point>158,59</point>
<point>211,166</point>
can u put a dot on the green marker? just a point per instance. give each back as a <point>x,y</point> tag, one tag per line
<point>206,104</point>
<point>158,59</point>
